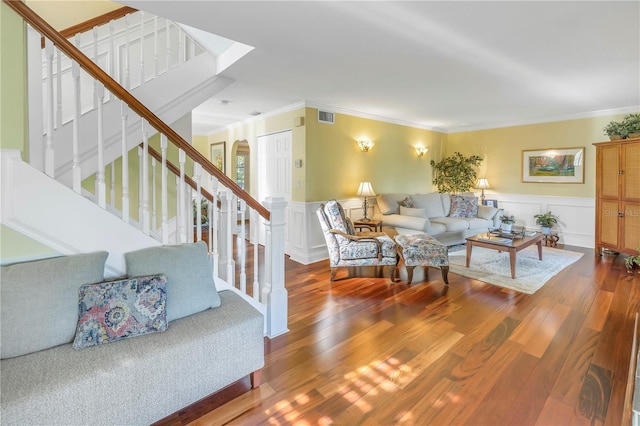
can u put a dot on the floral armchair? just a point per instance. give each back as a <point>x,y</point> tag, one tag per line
<point>347,248</point>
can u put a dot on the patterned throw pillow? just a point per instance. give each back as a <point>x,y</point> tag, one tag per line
<point>463,206</point>
<point>407,202</point>
<point>116,310</point>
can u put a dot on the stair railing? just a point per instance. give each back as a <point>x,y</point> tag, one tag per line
<point>270,293</point>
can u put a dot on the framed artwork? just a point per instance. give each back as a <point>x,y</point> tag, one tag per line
<point>564,165</point>
<point>492,203</point>
<point>218,155</point>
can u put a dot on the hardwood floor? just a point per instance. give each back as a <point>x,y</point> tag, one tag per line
<point>362,351</point>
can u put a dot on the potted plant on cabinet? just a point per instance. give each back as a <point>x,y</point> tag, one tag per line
<point>631,123</point>
<point>455,174</point>
<point>507,223</point>
<point>615,130</point>
<point>632,263</point>
<point>546,221</point>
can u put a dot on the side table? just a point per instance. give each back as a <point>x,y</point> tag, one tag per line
<point>551,240</point>
<point>374,225</point>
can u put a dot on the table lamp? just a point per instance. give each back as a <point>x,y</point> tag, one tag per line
<point>482,184</point>
<point>365,190</point>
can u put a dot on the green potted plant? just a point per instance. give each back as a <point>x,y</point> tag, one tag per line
<point>204,209</point>
<point>632,263</point>
<point>456,173</point>
<point>631,123</point>
<point>546,221</point>
<point>615,130</point>
<point>507,222</point>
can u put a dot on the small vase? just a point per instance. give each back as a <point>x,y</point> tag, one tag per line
<point>546,230</point>
<point>506,227</point>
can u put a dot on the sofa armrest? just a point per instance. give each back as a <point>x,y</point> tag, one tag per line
<point>496,218</point>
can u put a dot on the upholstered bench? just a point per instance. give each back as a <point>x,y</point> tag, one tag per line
<point>423,250</point>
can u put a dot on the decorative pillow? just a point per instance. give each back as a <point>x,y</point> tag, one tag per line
<point>487,212</point>
<point>463,206</point>
<point>116,310</point>
<point>190,286</point>
<point>407,211</point>
<point>40,301</point>
<point>407,202</point>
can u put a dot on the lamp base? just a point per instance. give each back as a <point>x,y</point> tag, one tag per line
<point>364,219</point>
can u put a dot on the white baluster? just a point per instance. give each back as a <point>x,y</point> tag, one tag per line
<point>228,222</point>
<point>255,217</point>
<point>154,217</point>
<point>127,78</point>
<point>95,61</point>
<point>156,66</point>
<point>213,226</point>
<point>59,88</point>
<point>141,48</point>
<point>241,247</point>
<point>182,217</point>
<point>124,112</point>
<point>274,293</point>
<point>112,53</point>
<point>180,46</point>
<point>168,44</point>
<point>49,152</point>
<point>101,186</point>
<point>112,194</point>
<point>145,179</point>
<point>77,171</point>
<point>196,176</point>
<point>140,185</point>
<point>165,201</point>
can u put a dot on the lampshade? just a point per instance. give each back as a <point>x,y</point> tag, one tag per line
<point>482,184</point>
<point>365,190</point>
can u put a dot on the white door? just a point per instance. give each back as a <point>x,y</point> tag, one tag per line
<point>274,171</point>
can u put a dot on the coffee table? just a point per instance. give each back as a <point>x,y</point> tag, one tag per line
<point>503,244</point>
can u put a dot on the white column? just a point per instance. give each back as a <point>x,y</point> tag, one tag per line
<point>274,293</point>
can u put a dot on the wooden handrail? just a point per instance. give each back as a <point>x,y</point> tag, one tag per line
<point>114,87</point>
<point>176,171</point>
<point>95,22</point>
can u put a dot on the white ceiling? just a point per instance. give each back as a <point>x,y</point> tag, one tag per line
<point>447,65</point>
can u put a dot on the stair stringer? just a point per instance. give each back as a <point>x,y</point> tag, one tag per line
<point>52,214</point>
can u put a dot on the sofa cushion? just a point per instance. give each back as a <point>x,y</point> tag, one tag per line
<point>365,249</point>
<point>463,206</point>
<point>390,203</point>
<point>430,202</point>
<point>116,310</point>
<point>407,211</point>
<point>487,212</point>
<point>40,301</point>
<point>190,286</point>
<point>452,224</point>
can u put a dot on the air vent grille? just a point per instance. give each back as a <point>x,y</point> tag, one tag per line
<point>326,117</point>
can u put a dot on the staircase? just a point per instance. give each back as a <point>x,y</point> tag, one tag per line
<point>107,173</point>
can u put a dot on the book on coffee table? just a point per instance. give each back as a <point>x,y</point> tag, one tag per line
<point>496,239</point>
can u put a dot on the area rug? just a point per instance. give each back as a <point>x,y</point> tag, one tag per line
<point>493,267</point>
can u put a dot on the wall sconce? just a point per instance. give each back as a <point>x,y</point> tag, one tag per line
<point>421,151</point>
<point>483,184</point>
<point>365,145</point>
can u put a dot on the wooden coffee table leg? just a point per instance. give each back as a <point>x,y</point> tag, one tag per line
<point>540,249</point>
<point>512,260</point>
<point>469,245</point>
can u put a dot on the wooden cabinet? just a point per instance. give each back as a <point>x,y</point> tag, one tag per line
<point>618,196</point>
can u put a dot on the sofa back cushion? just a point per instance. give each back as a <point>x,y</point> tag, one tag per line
<point>430,202</point>
<point>190,286</point>
<point>39,301</point>
<point>390,203</point>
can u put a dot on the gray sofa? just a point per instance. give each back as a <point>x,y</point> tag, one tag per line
<point>209,342</point>
<point>447,217</point>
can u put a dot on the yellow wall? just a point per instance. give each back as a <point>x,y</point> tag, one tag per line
<point>64,14</point>
<point>502,149</point>
<point>336,166</point>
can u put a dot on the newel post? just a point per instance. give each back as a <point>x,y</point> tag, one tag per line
<point>274,293</point>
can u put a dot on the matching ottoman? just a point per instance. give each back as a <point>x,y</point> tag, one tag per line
<point>423,250</point>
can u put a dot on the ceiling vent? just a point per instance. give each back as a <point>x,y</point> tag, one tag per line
<point>326,117</point>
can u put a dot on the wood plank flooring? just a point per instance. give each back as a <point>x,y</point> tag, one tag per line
<point>363,351</point>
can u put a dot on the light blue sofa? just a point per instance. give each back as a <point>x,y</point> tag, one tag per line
<point>133,381</point>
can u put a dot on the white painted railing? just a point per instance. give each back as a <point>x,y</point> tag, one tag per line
<point>183,176</point>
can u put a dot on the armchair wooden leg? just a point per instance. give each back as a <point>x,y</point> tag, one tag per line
<point>445,272</point>
<point>409,273</point>
<point>333,273</point>
<point>392,276</point>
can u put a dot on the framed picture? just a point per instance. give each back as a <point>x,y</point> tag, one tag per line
<point>218,155</point>
<point>563,165</point>
<point>492,203</point>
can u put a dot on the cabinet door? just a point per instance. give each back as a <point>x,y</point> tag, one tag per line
<point>609,171</point>
<point>631,171</point>
<point>631,226</point>
<point>608,222</point>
